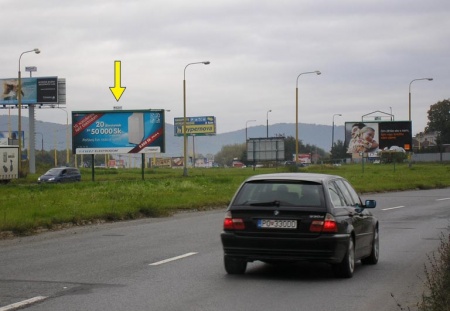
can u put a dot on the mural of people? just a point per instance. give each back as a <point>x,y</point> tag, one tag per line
<point>10,90</point>
<point>362,139</point>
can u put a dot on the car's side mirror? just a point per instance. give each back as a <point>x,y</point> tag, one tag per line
<point>367,204</point>
<point>370,204</point>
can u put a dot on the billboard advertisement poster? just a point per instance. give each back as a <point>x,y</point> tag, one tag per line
<point>371,137</point>
<point>118,131</point>
<point>198,126</point>
<point>304,158</point>
<point>178,162</point>
<point>161,162</point>
<point>42,90</point>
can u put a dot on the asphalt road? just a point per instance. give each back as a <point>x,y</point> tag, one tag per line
<point>176,264</point>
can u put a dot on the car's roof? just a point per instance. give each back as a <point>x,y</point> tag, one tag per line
<point>312,177</point>
<point>63,168</point>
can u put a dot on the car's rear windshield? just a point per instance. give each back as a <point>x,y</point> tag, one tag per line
<point>282,193</point>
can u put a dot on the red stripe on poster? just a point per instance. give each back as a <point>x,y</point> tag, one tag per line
<point>84,123</point>
<point>151,138</point>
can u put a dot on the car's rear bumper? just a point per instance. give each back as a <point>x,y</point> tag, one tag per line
<point>329,248</point>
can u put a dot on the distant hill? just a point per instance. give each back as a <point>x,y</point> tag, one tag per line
<point>313,134</point>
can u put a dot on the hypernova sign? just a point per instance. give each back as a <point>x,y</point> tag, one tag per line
<point>118,131</point>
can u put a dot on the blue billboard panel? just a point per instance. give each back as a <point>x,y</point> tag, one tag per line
<point>118,131</point>
<point>34,91</point>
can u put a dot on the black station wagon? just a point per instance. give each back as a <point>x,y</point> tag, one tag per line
<point>291,217</point>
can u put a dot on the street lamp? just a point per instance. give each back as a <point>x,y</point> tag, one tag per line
<point>317,72</point>
<point>332,130</point>
<point>42,142</point>
<point>246,122</point>
<point>185,173</point>
<point>19,105</point>
<point>429,79</point>
<point>267,119</point>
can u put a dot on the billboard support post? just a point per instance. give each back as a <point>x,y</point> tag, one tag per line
<point>142,164</point>
<point>92,166</point>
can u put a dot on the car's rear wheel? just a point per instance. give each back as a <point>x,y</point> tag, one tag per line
<point>346,267</point>
<point>234,265</point>
<point>374,255</point>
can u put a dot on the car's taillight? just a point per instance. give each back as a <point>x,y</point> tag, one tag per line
<point>326,225</point>
<point>230,223</point>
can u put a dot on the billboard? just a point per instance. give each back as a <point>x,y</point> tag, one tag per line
<point>304,158</point>
<point>195,126</point>
<point>265,149</point>
<point>9,162</point>
<point>118,131</point>
<point>42,90</point>
<point>371,137</point>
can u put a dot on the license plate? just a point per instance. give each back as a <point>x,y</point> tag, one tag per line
<point>277,223</point>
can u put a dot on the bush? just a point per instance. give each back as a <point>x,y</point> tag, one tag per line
<point>392,157</point>
<point>438,279</point>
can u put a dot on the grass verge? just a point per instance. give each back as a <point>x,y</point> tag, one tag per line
<point>122,194</point>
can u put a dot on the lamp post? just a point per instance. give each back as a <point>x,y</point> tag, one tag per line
<point>429,79</point>
<point>332,130</point>
<point>317,72</point>
<point>19,106</point>
<point>185,172</point>
<point>409,109</point>
<point>31,129</point>
<point>42,142</point>
<point>267,121</point>
<point>246,122</point>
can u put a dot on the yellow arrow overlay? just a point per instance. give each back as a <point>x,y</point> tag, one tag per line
<point>117,90</point>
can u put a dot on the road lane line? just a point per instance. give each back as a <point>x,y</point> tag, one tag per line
<point>23,303</point>
<point>443,199</point>
<point>397,207</point>
<point>171,259</point>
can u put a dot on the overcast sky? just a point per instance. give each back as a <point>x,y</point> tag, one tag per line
<point>368,51</point>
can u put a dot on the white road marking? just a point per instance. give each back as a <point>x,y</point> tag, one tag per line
<point>397,207</point>
<point>443,199</point>
<point>23,303</point>
<point>171,259</point>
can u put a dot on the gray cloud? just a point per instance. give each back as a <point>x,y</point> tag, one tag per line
<point>368,52</point>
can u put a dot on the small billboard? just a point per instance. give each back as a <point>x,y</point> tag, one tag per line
<point>265,149</point>
<point>195,126</point>
<point>371,137</point>
<point>304,158</point>
<point>118,131</point>
<point>42,90</point>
